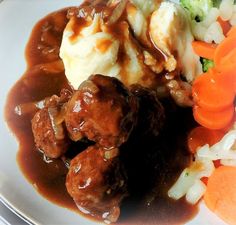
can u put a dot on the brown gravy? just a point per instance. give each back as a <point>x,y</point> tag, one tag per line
<point>161,162</point>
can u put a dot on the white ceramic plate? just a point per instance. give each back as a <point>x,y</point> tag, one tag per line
<point>17,18</point>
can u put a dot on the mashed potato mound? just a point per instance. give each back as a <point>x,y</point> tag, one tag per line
<point>88,53</point>
<point>152,38</point>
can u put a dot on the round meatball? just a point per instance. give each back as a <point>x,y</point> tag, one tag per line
<point>102,110</point>
<point>48,128</point>
<point>151,114</point>
<point>97,183</point>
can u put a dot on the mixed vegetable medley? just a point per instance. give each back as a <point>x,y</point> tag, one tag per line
<point>212,172</point>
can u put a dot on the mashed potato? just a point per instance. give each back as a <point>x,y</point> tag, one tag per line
<point>95,50</point>
<point>171,32</point>
<point>90,52</point>
<point>132,49</point>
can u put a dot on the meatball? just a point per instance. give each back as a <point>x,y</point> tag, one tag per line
<point>102,110</point>
<point>151,114</point>
<point>97,183</point>
<point>48,127</point>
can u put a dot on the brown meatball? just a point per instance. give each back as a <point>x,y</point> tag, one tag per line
<point>97,184</point>
<point>48,127</point>
<point>102,110</point>
<point>151,114</point>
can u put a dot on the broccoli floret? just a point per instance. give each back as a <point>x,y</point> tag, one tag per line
<point>206,64</point>
<point>216,3</point>
<point>198,8</point>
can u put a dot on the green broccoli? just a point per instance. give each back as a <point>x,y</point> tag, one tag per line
<point>216,3</point>
<point>198,8</point>
<point>206,64</point>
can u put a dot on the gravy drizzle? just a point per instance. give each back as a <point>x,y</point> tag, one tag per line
<point>44,77</point>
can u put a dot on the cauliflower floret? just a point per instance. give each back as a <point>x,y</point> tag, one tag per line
<point>189,182</point>
<point>171,33</point>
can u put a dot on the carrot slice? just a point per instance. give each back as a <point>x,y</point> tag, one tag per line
<point>223,49</point>
<point>217,163</point>
<point>229,59</point>
<point>225,25</point>
<point>227,76</point>
<point>203,49</point>
<point>205,77</point>
<point>220,196</point>
<point>204,180</point>
<point>213,120</point>
<point>232,32</point>
<point>213,92</point>
<point>200,136</point>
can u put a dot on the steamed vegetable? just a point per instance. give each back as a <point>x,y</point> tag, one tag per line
<point>213,120</point>
<point>207,64</point>
<point>203,49</point>
<point>216,3</point>
<point>198,8</point>
<point>225,25</point>
<point>206,51</point>
<point>200,136</point>
<point>214,91</point>
<point>232,32</point>
<point>220,196</point>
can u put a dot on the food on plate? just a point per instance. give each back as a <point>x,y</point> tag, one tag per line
<point>48,126</point>
<point>220,193</point>
<point>97,183</point>
<point>200,136</point>
<point>128,108</point>
<point>215,108</point>
<point>91,45</point>
<point>151,114</point>
<point>211,19</point>
<point>170,31</point>
<point>102,110</point>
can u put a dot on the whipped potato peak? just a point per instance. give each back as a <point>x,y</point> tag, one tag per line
<point>90,51</point>
<point>134,41</point>
<point>138,12</point>
<point>171,32</point>
<point>97,48</point>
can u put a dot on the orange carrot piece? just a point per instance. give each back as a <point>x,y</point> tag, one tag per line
<point>200,136</point>
<point>229,59</point>
<point>217,162</point>
<point>213,92</point>
<point>213,120</point>
<point>203,49</point>
<point>227,75</point>
<point>232,32</point>
<point>220,196</point>
<point>225,25</point>
<point>224,48</point>
<point>204,180</point>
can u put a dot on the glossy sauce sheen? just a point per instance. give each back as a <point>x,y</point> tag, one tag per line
<point>162,161</point>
